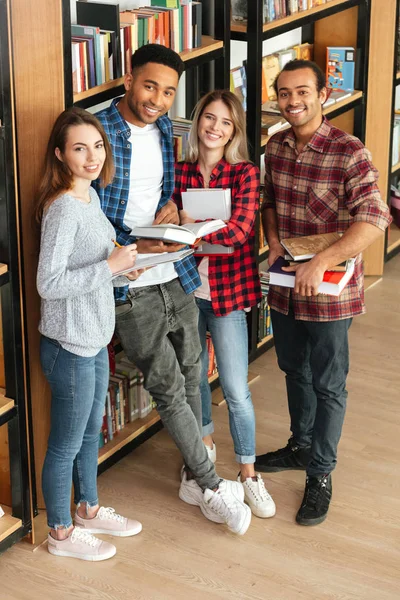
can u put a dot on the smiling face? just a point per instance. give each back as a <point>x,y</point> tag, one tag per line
<point>215,127</point>
<point>299,100</point>
<point>84,152</point>
<point>150,93</point>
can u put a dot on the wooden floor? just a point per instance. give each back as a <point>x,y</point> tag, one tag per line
<point>179,555</point>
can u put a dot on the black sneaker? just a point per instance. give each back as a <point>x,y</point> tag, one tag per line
<point>292,457</point>
<point>317,496</point>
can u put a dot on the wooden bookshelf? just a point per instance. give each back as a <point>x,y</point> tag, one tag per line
<point>5,403</point>
<point>127,434</point>
<point>3,268</point>
<point>213,378</point>
<point>264,341</point>
<point>8,524</point>
<point>208,45</point>
<point>357,95</point>
<point>291,19</point>
<point>395,168</point>
<point>262,250</point>
<point>393,238</point>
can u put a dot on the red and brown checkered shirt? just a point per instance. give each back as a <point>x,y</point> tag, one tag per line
<point>327,187</point>
<point>234,280</point>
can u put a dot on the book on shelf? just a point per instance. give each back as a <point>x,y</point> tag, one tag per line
<point>307,246</point>
<point>340,67</point>
<point>270,67</point>
<point>285,56</point>
<point>208,203</point>
<point>144,261</point>
<point>181,234</point>
<point>338,95</point>
<point>238,84</point>
<point>270,107</point>
<point>270,124</point>
<point>304,51</point>
<point>332,284</point>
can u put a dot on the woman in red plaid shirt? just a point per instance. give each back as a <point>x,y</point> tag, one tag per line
<point>217,157</point>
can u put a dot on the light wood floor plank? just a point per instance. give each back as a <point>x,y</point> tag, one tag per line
<point>354,555</point>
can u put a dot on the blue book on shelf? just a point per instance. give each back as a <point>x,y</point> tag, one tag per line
<point>340,68</point>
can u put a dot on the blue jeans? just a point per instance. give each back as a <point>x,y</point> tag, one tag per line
<point>230,339</point>
<point>78,391</point>
<point>315,357</point>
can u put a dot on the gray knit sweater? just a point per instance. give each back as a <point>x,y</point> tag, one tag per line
<point>73,278</point>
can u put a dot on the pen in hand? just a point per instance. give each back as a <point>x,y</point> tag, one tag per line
<point>116,244</point>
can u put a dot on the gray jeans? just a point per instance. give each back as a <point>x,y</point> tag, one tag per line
<point>158,329</point>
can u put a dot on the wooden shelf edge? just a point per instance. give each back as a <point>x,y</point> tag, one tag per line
<point>235,27</point>
<point>395,168</point>
<point>3,268</point>
<point>209,44</point>
<point>8,524</point>
<point>330,109</point>
<point>393,246</point>
<point>262,250</point>
<point>265,341</point>
<point>5,403</point>
<point>213,378</point>
<point>126,435</point>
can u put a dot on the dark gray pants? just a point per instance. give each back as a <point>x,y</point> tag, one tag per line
<point>158,329</point>
<point>315,358</point>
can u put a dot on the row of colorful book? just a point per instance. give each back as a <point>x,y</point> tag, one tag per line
<point>274,9</point>
<point>181,129</point>
<point>104,39</point>
<point>126,401</point>
<point>212,361</point>
<point>264,313</point>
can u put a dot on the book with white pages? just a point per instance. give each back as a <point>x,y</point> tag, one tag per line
<point>151,260</point>
<point>181,234</point>
<point>208,203</point>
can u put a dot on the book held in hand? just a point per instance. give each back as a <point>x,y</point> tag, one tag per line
<point>157,258</point>
<point>307,246</point>
<point>181,234</point>
<point>208,203</point>
<point>332,284</point>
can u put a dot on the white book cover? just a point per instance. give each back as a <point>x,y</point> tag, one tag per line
<point>151,260</point>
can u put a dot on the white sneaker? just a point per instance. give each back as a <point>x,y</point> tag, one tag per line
<point>109,522</point>
<point>212,453</point>
<point>189,490</point>
<point>258,498</point>
<point>81,544</point>
<point>223,505</point>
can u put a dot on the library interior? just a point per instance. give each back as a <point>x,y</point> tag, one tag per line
<point>273,170</point>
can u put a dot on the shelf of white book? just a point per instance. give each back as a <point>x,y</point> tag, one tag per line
<point>5,403</point>
<point>209,44</point>
<point>291,19</point>
<point>8,524</point>
<point>393,238</point>
<point>264,341</point>
<point>127,434</point>
<point>356,95</point>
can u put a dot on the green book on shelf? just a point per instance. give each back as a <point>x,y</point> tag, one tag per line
<point>165,3</point>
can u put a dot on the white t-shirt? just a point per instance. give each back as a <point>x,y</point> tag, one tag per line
<point>146,180</point>
<point>204,290</point>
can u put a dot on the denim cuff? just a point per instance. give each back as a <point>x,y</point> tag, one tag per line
<point>245,460</point>
<point>208,429</point>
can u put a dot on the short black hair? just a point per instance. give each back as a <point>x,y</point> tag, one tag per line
<point>156,53</point>
<point>299,63</point>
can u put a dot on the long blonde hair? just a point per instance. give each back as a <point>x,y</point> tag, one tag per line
<point>236,149</point>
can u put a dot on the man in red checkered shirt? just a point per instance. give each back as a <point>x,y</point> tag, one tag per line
<point>318,179</point>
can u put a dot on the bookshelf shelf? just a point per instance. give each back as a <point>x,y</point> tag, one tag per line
<point>213,378</point>
<point>6,404</point>
<point>263,250</point>
<point>334,110</point>
<point>127,435</point>
<point>393,238</point>
<point>209,47</point>
<point>3,268</point>
<point>395,168</point>
<point>397,81</point>
<point>239,31</point>
<point>264,341</point>
<point>8,524</point>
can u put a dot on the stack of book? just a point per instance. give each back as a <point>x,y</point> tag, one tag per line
<point>274,9</point>
<point>181,129</point>
<point>304,248</point>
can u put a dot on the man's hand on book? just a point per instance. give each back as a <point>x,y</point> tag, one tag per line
<point>275,250</point>
<point>309,276</point>
<point>150,246</point>
<point>167,214</point>
<point>184,217</point>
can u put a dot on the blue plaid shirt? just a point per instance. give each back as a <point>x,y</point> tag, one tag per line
<point>114,198</point>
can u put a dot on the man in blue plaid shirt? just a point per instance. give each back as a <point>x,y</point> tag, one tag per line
<point>157,315</point>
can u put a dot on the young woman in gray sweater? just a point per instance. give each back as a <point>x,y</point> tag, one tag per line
<point>75,280</point>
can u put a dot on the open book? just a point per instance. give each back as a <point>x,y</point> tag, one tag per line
<point>151,260</point>
<point>182,234</point>
<point>332,283</point>
<point>208,203</point>
<point>307,246</point>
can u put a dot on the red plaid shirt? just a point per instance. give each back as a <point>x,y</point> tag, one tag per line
<point>327,187</point>
<point>234,280</point>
